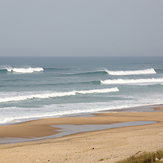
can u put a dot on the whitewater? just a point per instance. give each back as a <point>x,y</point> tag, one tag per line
<point>21,70</point>
<point>133,81</point>
<point>134,72</point>
<point>42,87</point>
<point>24,96</point>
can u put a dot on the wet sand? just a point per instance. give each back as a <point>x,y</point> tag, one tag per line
<point>159,108</point>
<point>108,144</point>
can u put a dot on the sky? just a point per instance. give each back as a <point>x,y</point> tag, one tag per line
<point>81,27</point>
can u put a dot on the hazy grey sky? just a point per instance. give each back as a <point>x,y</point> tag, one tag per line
<point>81,27</point>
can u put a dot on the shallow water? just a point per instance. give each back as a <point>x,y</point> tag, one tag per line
<point>73,129</point>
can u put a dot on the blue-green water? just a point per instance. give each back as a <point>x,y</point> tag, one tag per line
<point>40,87</point>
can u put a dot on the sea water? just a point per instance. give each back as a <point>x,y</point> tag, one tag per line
<point>42,87</point>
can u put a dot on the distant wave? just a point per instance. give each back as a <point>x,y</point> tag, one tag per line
<point>134,72</point>
<point>21,70</point>
<point>133,81</point>
<point>159,70</point>
<point>107,90</point>
<point>55,69</point>
<point>88,73</point>
<point>56,94</point>
<point>106,71</point>
<point>102,72</point>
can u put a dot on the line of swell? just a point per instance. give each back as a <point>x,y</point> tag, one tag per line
<point>133,81</point>
<point>54,69</point>
<point>120,73</point>
<point>134,72</point>
<point>89,73</point>
<point>57,94</point>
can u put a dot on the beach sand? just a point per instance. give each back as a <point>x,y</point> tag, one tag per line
<point>86,147</point>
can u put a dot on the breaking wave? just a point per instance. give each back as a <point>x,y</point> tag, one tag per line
<point>55,94</point>
<point>130,72</point>
<point>134,72</point>
<point>21,70</point>
<point>133,81</point>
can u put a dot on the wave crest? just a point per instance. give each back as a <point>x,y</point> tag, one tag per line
<point>56,94</point>
<point>134,72</point>
<point>22,70</point>
<point>107,90</point>
<point>132,81</point>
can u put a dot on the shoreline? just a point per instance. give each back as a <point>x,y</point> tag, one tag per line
<point>141,108</point>
<point>96,140</point>
<point>47,125</point>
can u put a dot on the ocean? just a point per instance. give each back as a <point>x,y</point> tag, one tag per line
<point>44,87</point>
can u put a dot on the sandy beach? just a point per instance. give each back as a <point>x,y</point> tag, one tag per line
<point>80,81</point>
<point>109,144</point>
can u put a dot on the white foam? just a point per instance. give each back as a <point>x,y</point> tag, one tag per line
<point>22,70</point>
<point>19,114</point>
<point>26,95</point>
<point>42,96</point>
<point>99,90</point>
<point>134,72</point>
<point>26,70</point>
<point>16,114</point>
<point>133,81</point>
